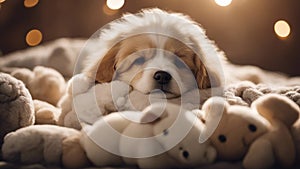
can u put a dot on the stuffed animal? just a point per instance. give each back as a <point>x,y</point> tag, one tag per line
<point>259,135</point>
<point>162,136</point>
<point>16,105</point>
<point>43,83</point>
<point>86,101</point>
<point>81,98</point>
<point>45,144</point>
<point>277,145</point>
<point>296,136</point>
<point>233,134</point>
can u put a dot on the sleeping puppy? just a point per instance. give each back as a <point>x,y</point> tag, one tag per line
<point>156,51</point>
<point>162,55</point>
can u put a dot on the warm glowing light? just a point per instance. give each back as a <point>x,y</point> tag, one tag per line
<point>30,3</point>
<point>2,1</point>
<point>282,28</point>
<point>108,11</point>
<point>115,4</point>
<point>34,37</point>
<point>223,2</point>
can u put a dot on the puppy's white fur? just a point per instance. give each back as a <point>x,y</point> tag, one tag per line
<point>160,26</point>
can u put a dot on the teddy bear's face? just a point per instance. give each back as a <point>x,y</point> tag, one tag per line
<point>178,131</point>
<point>238,128</point>
<point>190,152</point>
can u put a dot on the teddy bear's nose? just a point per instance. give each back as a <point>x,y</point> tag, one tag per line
<point>185,154</point>
<point>252,127</point>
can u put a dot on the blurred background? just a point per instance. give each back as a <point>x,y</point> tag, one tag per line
<point>265,33</point>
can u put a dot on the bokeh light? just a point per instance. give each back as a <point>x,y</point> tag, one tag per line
<point>30,3</point>
<point>223,2</point>
<point>1,2</point>
<point>115,4</point>
<point>282,28</point>
<point>34,37</point>
<point>108,11</point>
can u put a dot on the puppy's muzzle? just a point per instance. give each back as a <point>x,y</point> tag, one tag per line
<point>162,77</point>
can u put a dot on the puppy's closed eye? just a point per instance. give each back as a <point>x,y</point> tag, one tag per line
<point>139,61</point>
<point>179,64</point>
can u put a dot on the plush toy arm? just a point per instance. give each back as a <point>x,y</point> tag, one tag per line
<point>273,106</point>
<point>73,154</point>
<point>120,94</point>
<point>88,102</point>
<point>260,155</point>
<point>105,96</point>
<point>36,144</point>
<point>79,84</point>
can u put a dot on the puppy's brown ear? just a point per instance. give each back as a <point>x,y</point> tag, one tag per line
<point>204,78</point>
<point>104,70</point>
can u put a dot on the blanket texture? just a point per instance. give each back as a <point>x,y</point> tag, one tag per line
<point>245,92</point>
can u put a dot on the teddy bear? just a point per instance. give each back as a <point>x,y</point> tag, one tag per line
<point>86,101</point>
<point>43,83</point>
<point>16,105</point>
<point>296,136</point>
<point>259,135</point>
<point>163,135</point>
<point>82,87</point>
<point>274,146</point>
<point>44,144</point>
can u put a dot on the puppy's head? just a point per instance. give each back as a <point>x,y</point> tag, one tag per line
<point>158,57</point>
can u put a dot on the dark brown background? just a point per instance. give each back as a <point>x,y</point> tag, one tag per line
<point>244,30</point>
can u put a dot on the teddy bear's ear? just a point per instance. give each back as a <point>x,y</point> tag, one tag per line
<point>153,113</point>
<point>213,108</point>
<point>276,106</point>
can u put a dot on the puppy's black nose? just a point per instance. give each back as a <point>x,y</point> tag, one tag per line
<point>162,77</point>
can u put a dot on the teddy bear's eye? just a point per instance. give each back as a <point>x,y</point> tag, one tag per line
<point>165,132</point>
<point>252,127</point>
<point>185,154</point>
<point>222,138</point>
